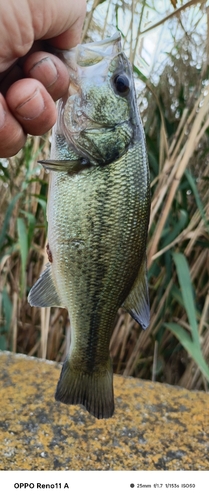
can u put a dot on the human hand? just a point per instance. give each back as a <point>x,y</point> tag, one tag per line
<point>31,78</point>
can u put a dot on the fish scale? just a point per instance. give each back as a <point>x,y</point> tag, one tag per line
<point>98,218</point>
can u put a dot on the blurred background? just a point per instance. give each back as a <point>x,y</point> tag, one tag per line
<point>168,44</point>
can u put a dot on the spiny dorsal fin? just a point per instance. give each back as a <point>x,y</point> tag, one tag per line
<point>44,293</point>
<point>137,302</point>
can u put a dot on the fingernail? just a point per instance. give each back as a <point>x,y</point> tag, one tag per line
<point>32,107</point>
<point>45,71</point>
<point>2,116</point>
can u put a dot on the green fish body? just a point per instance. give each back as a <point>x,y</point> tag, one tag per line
<point>98,214</point>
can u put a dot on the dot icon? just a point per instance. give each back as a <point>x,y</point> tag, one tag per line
<point>132,485</point>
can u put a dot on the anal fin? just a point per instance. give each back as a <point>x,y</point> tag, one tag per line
<point>44,293</point>
<point>137,302</point>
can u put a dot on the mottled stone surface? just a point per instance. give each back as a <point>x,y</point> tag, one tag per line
<point>155,426</point>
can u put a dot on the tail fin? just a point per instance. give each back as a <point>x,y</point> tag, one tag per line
<point>93,390</point>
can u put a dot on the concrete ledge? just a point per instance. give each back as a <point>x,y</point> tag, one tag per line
<point>155,426</point>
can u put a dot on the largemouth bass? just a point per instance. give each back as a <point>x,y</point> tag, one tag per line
<point>98,214</point>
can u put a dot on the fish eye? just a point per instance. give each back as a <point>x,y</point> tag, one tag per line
<point>122,84</point>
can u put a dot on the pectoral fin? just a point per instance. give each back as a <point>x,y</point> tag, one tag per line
<point>137,302</point>
<point>68,166</point>
<point>44,293</point>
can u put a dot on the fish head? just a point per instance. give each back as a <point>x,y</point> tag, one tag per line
<point>98,117</point>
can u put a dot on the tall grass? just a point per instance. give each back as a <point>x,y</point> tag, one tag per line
<point>175,347</point>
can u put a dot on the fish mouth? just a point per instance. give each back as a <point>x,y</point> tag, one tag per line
<point>91,53</point>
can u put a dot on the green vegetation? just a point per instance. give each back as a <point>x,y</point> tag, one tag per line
<point>175,347</point>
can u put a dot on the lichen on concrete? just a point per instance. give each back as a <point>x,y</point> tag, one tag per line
<point>155,426</point>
